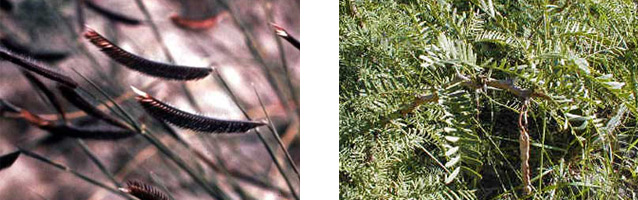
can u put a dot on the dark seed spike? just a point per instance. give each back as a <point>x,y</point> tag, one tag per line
<point>183,119</point>
<point>36,67</point>
<point>97,132</point>
<point>8,159</point>
<point>281,32</point>
<point>112,15</point>
<point>48,56</point>
<point>144,191</point>
<point>78,101</point>
<point>292,40</point>
<point>149,67</point>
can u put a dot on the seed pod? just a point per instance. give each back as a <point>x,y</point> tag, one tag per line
<point>37,67</point>
<point>145,66</point>
<point>183,119</point>
<point>143,191</point>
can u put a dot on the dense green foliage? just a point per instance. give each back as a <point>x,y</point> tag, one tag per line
<point>578,57</point>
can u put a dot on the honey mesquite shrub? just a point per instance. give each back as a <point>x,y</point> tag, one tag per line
<point>488,99</point>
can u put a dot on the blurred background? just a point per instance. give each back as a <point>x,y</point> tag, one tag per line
<point>240,44</point>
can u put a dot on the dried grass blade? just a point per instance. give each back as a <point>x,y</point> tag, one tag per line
<point>198,25</point>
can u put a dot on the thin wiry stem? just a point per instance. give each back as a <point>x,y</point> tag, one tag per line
<point>263,140</point>
<point>80,46</point>
<point>111,15</point>
<point>50,97</point>
<point>113,101</point>
<point>215,191</point>
<point>211,189</point>
<point>78,101</point>
<point>256,181</point>
<point>155,30</point>
<point>282,55</point>
<point>167,52</point>
<point>98,163</point>
<point>156,180</point>
<point>73,172</point>
<point>252,46</point>
<point>79,12</point>
<point>224,170</point>
<point>275,134</point>
<point>279,167</point>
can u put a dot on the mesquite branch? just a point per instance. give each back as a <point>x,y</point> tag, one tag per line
<point>506,85</point>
